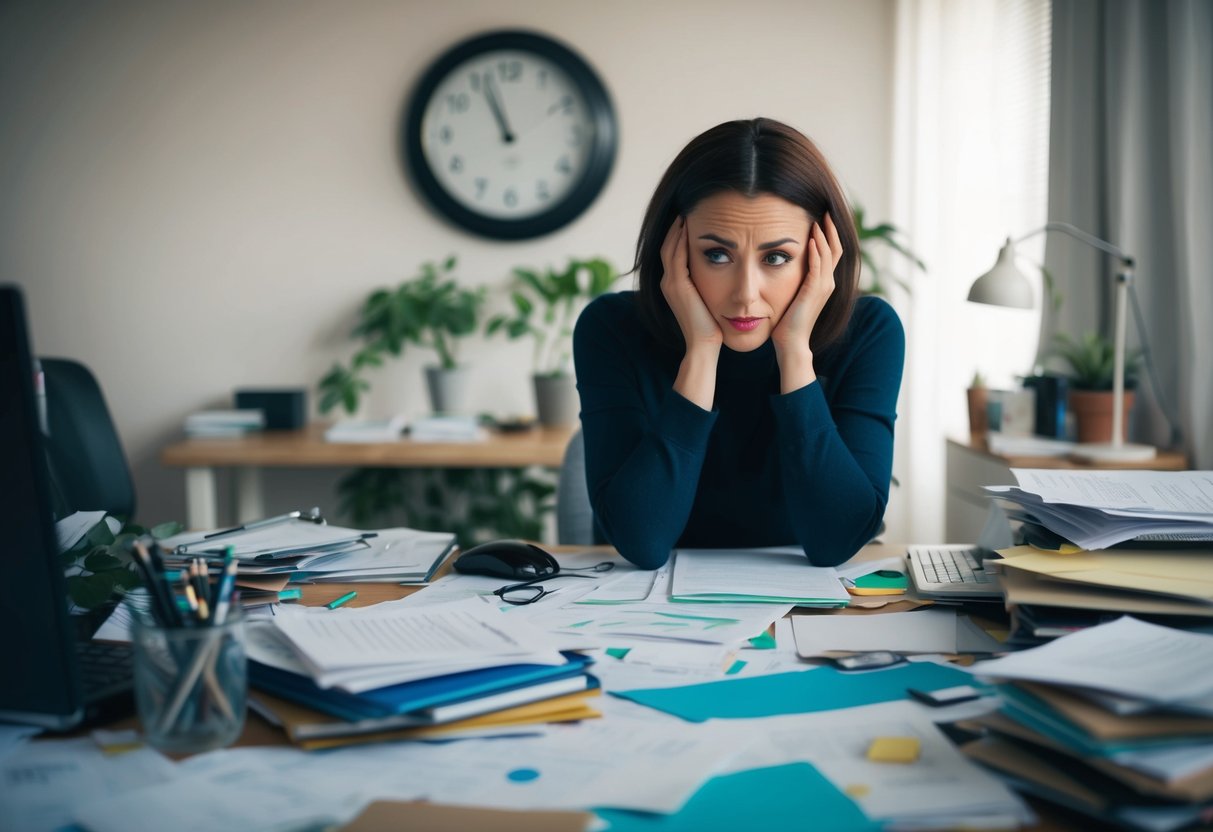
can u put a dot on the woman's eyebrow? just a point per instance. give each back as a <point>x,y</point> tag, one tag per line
<point>777,243</point>
<point>721,240</point>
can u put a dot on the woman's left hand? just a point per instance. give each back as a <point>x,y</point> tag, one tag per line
<point>791,334</point>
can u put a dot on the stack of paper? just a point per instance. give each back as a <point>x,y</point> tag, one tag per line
<point>366,430</point>
<point>1115,721</point>
<point>1097,509</point>
<point>310,552</point>
<point>447,428</point>
<point>392,667</point>
<point>773,576</point>
<point>224,422</point>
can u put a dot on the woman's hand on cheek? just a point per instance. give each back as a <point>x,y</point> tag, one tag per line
<point>698,326</point>
<point>792,333</point>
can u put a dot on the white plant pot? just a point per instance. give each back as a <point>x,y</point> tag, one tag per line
<point>556,400</point>
<point>447,388</point>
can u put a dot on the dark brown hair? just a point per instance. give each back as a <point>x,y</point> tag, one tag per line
<point>758,156</point>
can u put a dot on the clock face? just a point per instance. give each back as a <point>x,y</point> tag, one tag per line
<point>511,135</point>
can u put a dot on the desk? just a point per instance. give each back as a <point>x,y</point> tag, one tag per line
<point>306,448</point>
<point>970,465</point>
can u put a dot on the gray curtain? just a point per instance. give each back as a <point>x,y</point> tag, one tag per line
<point>1131,161</point>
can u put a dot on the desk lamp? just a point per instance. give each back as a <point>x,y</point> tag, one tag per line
<point>1006,285</point>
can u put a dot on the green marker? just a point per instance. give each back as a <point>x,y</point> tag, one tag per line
<point>336,602</point>
<point>291,595</point>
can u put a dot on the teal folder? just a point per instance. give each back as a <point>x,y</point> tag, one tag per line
<point>798,692</point>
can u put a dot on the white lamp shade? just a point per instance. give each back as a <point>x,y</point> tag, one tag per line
<point>1003,285</point>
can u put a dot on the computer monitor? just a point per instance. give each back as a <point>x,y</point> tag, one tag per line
<point>41,679</point>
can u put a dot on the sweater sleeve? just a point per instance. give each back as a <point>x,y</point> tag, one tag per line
<point>836,459</point>
<point>644,446</point>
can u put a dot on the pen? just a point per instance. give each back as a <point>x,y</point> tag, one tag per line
<point>313,516</point>
<point>290,595</point>
<point>336,602</point>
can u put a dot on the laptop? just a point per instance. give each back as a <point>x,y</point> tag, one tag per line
<point>51,678</point>
<point>952,571</point>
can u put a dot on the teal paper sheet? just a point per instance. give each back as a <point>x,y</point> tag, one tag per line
<point>798,692</point>
<point>793,796</point>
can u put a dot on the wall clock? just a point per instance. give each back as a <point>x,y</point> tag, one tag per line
<point>510,135</point>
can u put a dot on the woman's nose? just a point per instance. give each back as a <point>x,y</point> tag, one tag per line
<point>746,290</point>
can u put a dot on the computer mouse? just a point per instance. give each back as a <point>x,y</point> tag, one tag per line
<point>510,559</point>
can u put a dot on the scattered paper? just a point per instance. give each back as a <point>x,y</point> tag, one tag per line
<point>778,575</point>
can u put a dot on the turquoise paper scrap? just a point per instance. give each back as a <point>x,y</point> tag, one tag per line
<point>793,796</point>
<point>798,692</point>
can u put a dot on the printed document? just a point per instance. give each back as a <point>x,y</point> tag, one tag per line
<point>778,575</point>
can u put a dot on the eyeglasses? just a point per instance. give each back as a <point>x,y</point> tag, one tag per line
<point>528,592</point>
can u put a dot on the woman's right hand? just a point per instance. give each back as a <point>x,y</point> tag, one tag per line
<point>699,328</point>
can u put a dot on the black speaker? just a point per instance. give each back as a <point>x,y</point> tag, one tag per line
<point>1051,393</point>
<point>285,409</point>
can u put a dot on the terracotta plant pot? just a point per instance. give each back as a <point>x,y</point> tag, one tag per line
<point>978,403</point>
<point>1092,411</point>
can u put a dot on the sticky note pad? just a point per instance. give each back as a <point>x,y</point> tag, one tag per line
<point>893,750</point>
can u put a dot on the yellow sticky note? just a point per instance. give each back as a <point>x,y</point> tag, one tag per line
<point>893,750</point>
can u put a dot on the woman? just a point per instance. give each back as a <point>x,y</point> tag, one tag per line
<point>742,396</point>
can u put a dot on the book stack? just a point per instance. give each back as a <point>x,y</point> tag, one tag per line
<point>224,423</point>
<point>397,672</point>
<point>366,430</point>
<point>1114,722</point>
<point>447,428</point>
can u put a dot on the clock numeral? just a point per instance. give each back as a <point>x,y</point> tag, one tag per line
<point>576,134</point>
<point>564,165</point>
<point>446,134</point>
<point>509,70</point>
<point>456,164</point>
<point>510,198</point>
<point>457,102</point>
<point>474,80</point>
<point>541,79</point>
<point>482,185</point>
<point>541,190</point>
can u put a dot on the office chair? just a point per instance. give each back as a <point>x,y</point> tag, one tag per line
<point>574,517</point>
<point>87,462</point>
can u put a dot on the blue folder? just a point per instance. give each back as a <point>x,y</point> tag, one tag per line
<point>408,697</point>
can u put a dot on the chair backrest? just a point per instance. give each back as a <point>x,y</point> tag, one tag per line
<point>574,517</point>
<point>86,457</point>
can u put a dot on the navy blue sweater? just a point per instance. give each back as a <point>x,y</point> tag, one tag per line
<point>809,468</point>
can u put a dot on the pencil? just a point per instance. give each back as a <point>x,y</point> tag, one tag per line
<point>336,602</point>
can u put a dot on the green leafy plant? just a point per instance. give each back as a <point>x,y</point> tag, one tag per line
<point>1091,358</point>
<point>557,297</point>
<point>881,234</point>
<point>429,310</point>
<point>99,566</point>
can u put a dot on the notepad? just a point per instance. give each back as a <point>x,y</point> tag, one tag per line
<point>774,576</point>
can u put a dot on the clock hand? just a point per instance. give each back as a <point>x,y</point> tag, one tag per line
<point>507,135</point>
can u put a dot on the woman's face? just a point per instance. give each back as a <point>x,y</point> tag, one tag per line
<point>747,259</point>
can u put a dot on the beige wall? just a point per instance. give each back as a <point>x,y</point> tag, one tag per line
<point>196,196</point>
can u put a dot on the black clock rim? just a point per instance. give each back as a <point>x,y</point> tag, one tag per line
<point>598,165</point>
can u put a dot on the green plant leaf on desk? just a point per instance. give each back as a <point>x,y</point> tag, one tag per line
<point>103,563</point>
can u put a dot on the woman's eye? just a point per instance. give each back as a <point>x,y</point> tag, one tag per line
<point>776,258</point>
<point>716,255</point>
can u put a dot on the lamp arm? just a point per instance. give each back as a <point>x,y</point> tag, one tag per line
<point>1079,234</point>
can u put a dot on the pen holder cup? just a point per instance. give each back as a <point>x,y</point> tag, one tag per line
<point>190,684</point>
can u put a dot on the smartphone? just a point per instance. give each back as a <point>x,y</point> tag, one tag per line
<point>945,696</point>
<point>868,661</point>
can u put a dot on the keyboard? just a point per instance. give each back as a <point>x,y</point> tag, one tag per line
<point>105,668</point>
<point>951,571</point>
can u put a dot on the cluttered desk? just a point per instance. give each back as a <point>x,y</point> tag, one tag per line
<point>290,673</point>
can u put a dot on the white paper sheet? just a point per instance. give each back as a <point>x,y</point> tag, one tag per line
<point>942,783</point>
<point>71,529</point>
<point>44,782</point>
<point>921,631</point>
<point>1126,657</point>
<point>780,575</point>
<point>610,625</point>
<point>1168,492</point>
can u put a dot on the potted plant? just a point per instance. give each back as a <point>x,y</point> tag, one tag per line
<point>1090,360</point>
<point>558,297</point>
<point>881,234</point>
<point>429,310</point>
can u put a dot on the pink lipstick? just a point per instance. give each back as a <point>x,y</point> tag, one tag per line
<point>744,324</point>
